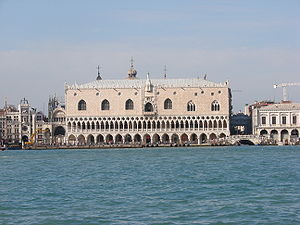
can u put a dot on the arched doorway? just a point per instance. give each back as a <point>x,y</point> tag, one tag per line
<point>81,140</point>
<point>128,139</point>
<point>59,134</point>
<point>72,140</point>
<point>118,139</point>
<point>90,139</point>
<point>184,138</point>
<point>175,138</point>
<point>274,134</point>
<point>100,139</point>
<point>109,139</point>
<point>294,135</point>
<point>203,138</point>
<point>148,107</point>
<point>156,139</point>
<point>165,139</point>
<point>137,138</point>
<point>147,138</point>
<point>194,139</point>
<point>264,133</point>
<point>212,136</point>
<point>59,131</point>
<point>284,136</point>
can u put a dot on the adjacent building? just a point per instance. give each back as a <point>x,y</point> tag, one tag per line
<point>277,122</point>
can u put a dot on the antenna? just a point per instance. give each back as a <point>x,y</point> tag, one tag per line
<point>165,71</point>
<point>131,62</point>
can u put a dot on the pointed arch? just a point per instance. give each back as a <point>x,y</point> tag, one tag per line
<point>191,106</point>
<point>186,124</point>
<point>215,106</point>
<point>135,126</point>
<point>153,125</point>
<point>181,124</point>
<point>100,139</point>
<point>220,124</point>
<point>125,125</point>
<point>163,124</point>
<point>165,139</point>
<point>129,105</point>
<point>177,124</point>
<point>224,124</point>
<point>105,105</point>
<point>168,104</point>
<point>149,107</point>
<point>111,127</point>
<point>81,105</point>
<point>215,124</point>
<point>172,124</point>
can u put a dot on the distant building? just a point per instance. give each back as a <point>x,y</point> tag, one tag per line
<point>240,124</point>
<point>277,122</point>
<point>21,124</point>
<point>56,121</point>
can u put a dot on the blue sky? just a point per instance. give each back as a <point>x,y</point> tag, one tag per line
<point>253,44</point>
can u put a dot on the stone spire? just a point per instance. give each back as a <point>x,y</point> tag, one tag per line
<point>148,84</point>
<point>132,72</point>
<point>98,77</point>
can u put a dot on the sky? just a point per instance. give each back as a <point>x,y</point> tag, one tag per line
<point>45,44</point>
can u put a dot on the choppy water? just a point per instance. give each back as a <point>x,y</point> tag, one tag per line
<point>230,185</point>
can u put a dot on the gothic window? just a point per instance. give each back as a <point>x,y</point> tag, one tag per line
<point>105,105</point>
<point>215,106</point>
<point>191,106</point>
<point>148,107</point>
<point>168,104</point>
<point>129,104</point>
<point>81,105</point>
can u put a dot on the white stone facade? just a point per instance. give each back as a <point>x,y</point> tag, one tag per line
<point>147,111</point>
<point>279,122</point>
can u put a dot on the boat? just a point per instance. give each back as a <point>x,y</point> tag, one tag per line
<point>13,147</point>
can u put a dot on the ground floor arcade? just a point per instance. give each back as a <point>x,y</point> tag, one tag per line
<point>144,138</point>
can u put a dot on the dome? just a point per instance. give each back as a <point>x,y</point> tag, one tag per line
<point>132,72</point>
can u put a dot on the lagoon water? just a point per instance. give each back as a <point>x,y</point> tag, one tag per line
<point>224,185</point>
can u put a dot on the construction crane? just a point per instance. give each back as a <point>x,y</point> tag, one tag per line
<point>284,89</point>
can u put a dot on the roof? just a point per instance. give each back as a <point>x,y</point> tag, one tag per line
<point>279,107</point>
<point>140,83</point>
